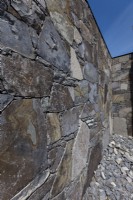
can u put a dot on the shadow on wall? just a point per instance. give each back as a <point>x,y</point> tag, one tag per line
<point>131,95</point>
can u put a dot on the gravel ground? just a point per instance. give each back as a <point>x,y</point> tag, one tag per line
<point>113,180</point>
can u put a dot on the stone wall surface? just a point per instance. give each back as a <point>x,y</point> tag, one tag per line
<point>122,96</point>
<point>55,99</point>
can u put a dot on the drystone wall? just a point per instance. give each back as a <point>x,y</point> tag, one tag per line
<point>55,99</point>
<point>122,96</point>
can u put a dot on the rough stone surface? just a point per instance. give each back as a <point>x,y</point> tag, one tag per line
<point>26,78</point>
<point>75,66</point>
<point>55,99</point>
<point>51,48</point>
<point>120,126</point>
<point>22,144</point>
<point>80,150</point>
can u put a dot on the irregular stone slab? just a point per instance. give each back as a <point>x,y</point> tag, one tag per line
<point>5,99</point>
<point>15,36</point>
<point>63,25</point>
<point>95,158</point>
<point>53,128</point>
<point>23,144</point>
<point>64,171</point>
<point>124,112</point>
<point>70,121</point>
<point>55,156</point>
<point>32,186</point>
<point>25,77</point>
<point>80,150</point>
<point>60,98</point>
<point>120,126</point>
<point>81,92</point>
<point>76,71</point>
<point>90,73</point>
<point>77,36</point>
<point>51,48</point>
<point>93,95</point>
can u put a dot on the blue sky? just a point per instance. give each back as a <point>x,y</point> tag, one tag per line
<point>115,20</point>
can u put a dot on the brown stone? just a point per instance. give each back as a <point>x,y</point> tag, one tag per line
<point>95,158</point>
<point>60,98</point>
<point>53,127</point>
<point>25,77</point>
<point>22,145</point>
<point>64,171</point>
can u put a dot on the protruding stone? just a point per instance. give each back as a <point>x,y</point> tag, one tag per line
<point>80,150</point>
<point>76,71</point>
<point>77,36</point>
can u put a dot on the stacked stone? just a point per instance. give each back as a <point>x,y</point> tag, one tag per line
<point>122,95</point>
<point>113,180</point>
<point>55,99</point>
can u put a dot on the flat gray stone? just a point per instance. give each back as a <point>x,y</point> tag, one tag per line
<point>51,48</point>
<point>5,99</point>
<point>15,35</point>
<point>90,73</point>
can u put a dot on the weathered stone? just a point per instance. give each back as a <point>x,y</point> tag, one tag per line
<point>15,36</point>
<point>87,111</point>
<point>5,99</point>
<point>43,190</point>
<point>93,95</point>
<point>51,48</point>
<point>124,86</point>
<point>124,112</point>
<point>70,121</point>
<point>85,51</point>
<point>64,171</point>
<point>60,98</point>
<point>76,71</point>
<point>53,128</point>
<point>120,126</point>
<point>3,7</point>
<point>124,58</point>
<point>55,156</point>
<point>90,73</point>
<point>25,77</point>
<point>77,36</point>
<point>121,77</point>
<point>80,150</point>
<point>22,145</point>
<point>81,92</point>
<point>95,158</point>
<point>63,25</point>
<point>118,98</point>
<point>116,67</point>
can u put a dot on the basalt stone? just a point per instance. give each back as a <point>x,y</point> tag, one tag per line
<point>15,35</point>
<point>5,99</point>
<point>80,150</point>
<point>25,77</point>
<point>64,171</point>
<point>60,98</point>
<point>22,145</point>
<point>51,48</point>
<point>90,73</point>
<point>70,121</point>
